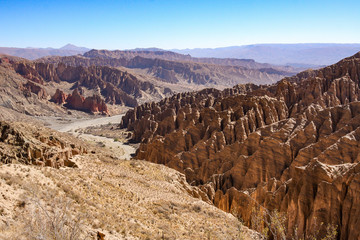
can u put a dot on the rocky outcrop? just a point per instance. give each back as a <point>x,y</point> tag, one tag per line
<point>116,86</point>
<point>20,142</point>
<point>292,146</point>
<point>164,74</point>
<point>314,153</point>
<point>92,104</point>
<point>28,73</point>
<point>31,87</point>
<point>95,104</point>
<point>59,97</point>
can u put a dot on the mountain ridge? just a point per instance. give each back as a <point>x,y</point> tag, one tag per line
<point>316,54</point>
<point>35,53</point>
<point>177,68</point>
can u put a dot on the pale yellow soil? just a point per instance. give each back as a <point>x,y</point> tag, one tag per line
<point>122,199</point>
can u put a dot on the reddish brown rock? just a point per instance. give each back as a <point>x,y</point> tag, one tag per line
<point>100,236</point>
<point>116,86</point>
<point>28,72</point>
<point>95,104</point>
<point>92,104</point>
<point>75,100</point>
<point>59,97</point>
<point>292,146</point>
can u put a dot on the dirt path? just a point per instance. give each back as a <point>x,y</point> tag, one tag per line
<point>118,148</point>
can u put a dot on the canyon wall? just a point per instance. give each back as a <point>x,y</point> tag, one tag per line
<point>292,146</point>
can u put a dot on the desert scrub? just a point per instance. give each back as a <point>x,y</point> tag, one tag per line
<point>272,225</point>
<point>55,220</point>
<point>11,179</point>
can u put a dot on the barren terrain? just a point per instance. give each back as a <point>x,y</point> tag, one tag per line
<point>123,199</point>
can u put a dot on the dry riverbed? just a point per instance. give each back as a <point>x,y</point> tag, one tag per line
<point>82,128</point>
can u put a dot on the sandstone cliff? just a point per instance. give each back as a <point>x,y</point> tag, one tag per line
<point>291,146</point>
<point>31,87</point>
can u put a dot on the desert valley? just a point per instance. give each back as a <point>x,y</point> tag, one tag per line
<point>285,152</point>
<point>253,141</point>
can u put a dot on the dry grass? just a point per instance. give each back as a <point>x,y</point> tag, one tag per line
<point>122,199</point>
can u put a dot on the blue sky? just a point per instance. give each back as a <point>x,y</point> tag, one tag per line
<point>168,24</point>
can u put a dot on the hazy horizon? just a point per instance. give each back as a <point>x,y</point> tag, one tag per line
<point>170,49</point>
<point>163,24</point>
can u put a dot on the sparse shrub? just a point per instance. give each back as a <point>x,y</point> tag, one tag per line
<point>259,222</point>
<point>273,224</point>
<point>197,208</point>
<point>21,204</point>
<point>2,211</point>
<point>331,232</point>
<point>100,176</point>
<point>54,221</point>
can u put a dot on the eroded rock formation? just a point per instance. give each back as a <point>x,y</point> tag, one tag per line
<point>292,146</point>
<point>31,87</point>
<point>20,142</point>
<point>59,97</point>
<point>93,104</point>
<point>116,86</point>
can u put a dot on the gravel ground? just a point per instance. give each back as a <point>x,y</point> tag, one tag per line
<point>73,126</point>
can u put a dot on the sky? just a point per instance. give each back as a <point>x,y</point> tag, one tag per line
<point>170,24</point>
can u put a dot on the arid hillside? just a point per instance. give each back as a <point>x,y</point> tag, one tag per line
<point>55,186</point>
<point>287,153</point>
<point>30,86</point>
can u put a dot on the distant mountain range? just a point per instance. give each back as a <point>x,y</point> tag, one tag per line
<point>297,55</point>
<point>34,53</point>
<point>306,55</point>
